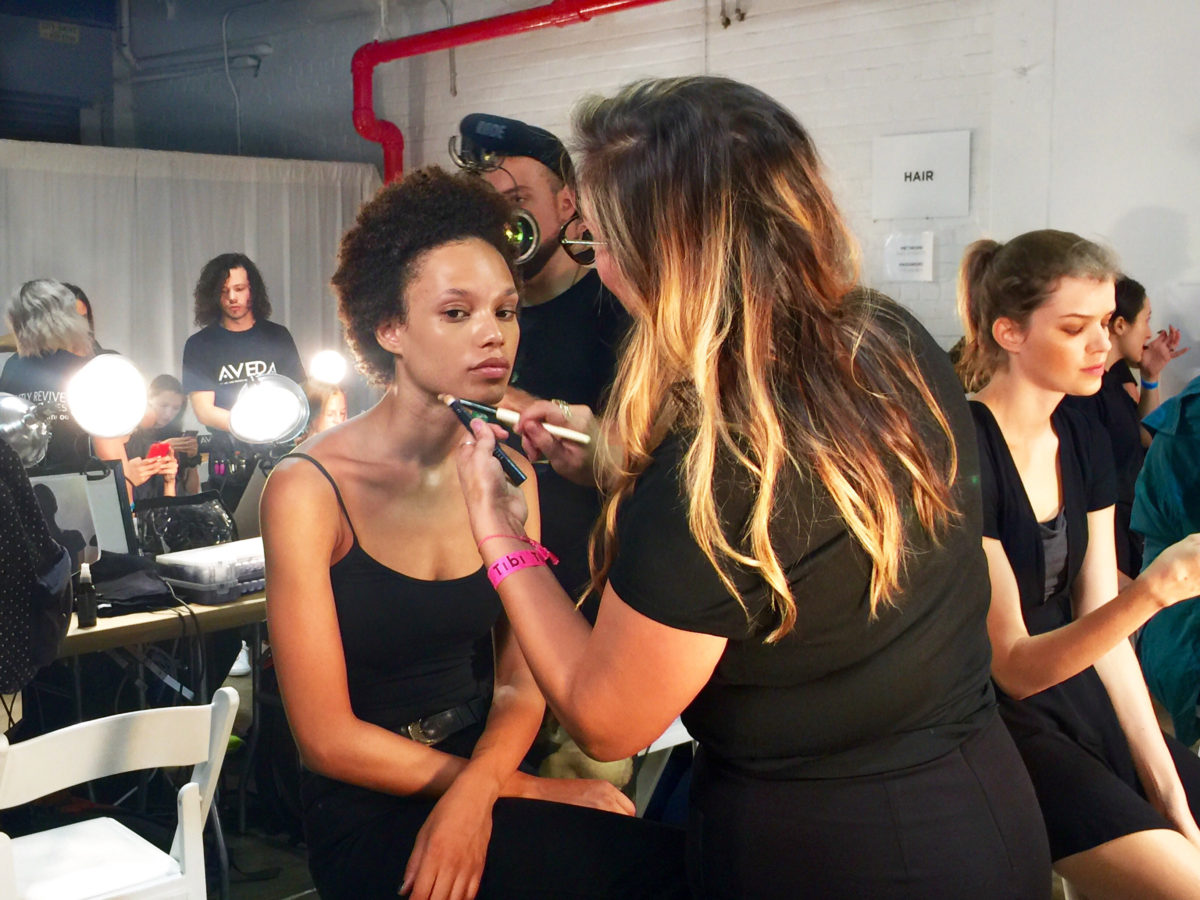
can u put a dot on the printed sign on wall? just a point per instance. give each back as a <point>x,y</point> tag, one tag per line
<point>921,175</point>
<point>908,256</point>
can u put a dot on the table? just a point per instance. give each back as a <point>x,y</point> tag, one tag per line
<point>162,625</point>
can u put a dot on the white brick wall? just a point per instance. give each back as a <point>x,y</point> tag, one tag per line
<point>1082,115</point>
<point>849,70</point>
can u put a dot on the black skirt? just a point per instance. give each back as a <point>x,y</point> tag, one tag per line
<point>1081,768</point>
<point>964,823</point>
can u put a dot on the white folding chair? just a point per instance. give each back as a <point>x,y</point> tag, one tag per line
<point>100,858</point>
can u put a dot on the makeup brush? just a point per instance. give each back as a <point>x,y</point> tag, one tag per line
<point>510,417</point>
<point>515,476</point>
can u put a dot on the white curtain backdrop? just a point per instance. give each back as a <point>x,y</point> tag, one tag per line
<point>133,228</point>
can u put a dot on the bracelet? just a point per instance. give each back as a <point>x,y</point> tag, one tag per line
<point>1149,385</point>
<point>539,549</point>
<point>516,537</point>
<point>521,559</point>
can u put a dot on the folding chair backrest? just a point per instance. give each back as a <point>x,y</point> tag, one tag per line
<point>146,739</point>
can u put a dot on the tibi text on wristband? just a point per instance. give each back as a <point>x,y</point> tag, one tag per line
<point>519,559</point>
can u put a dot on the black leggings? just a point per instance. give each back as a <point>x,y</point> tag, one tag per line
<point>964,825</point>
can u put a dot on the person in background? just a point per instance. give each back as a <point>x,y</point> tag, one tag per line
<point>790,547</point>
<point>571,328</point>
<point>1120,405</point>
<point>83,306</point>
<point>173,474</point>
<point>1118,799</point>
<point>1166,507</point>
<point>53,343</point>
<point>167,404</point>
<point>326,407</point>
<point>571,324</point>
<point>236,341</point>
<point>406,691</point>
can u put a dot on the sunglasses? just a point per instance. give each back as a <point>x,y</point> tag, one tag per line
<point>581,249</point>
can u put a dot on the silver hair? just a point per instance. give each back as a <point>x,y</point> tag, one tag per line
<point>43,318</point>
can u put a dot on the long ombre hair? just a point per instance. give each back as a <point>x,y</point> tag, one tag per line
<point>749,335</point>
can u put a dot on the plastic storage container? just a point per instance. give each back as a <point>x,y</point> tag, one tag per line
<point>217,574</point>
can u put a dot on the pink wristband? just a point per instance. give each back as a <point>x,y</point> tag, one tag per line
<point>521,559</point>
<point>512,562</point>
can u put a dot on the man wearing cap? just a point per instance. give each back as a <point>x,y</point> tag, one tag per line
<point>571,325</point>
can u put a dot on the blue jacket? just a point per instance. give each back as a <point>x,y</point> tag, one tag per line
<point>1166,508</point>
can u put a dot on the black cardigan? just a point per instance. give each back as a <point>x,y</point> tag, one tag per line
<point>1088,484</point>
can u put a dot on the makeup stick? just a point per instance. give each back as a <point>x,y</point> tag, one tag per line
<point>515,476</point>
<point>511,416</point>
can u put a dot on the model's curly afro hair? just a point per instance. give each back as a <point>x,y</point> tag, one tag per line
<point>381,253</point>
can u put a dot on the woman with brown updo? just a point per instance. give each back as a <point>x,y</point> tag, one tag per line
<point>1118,801</point>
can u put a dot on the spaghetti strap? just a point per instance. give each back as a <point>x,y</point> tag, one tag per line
<point>337,493</point>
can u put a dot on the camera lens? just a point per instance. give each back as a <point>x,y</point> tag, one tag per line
<point>523,235</point>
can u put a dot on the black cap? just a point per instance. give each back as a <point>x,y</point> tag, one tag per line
<point>483,132</point>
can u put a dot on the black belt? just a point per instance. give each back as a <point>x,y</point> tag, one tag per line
<point>439,726</point>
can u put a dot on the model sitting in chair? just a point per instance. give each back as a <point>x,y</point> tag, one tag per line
<point>407,693</point>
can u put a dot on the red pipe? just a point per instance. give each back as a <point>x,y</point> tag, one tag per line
<point>368,56</point>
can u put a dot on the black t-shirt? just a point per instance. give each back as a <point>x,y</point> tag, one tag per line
<point>568,348</point>
<point>841,695</point>
<point>1116,411</point>
<point>568,351</point>
<point>42,380</point>
<point>218,360</point>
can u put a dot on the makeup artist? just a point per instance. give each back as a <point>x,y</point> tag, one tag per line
<point>790,546</point>
<point>405,688</point>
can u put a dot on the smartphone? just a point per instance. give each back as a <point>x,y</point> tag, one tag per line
<point>158,448</point>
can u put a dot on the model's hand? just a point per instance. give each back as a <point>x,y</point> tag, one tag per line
<point>574,462</point>
<point>451,847</point>
<point>494,505</point>
<point>1160,351</point>
<point>1171,801</point>
<point>590,792</point>
<point>139,470</point>
<point>1185,823</point>
<point>1175,573</point>
<point>168,466</point>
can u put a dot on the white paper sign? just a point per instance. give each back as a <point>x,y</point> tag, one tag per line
<point>921,175</point>
<point>908,256</point>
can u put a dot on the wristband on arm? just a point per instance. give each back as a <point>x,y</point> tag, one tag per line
<point>521,559</point>
<point>1149,385</point>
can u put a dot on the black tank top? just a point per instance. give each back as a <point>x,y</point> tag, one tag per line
<point>412,647</point>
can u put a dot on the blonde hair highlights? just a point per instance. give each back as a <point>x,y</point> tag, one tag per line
<point>749,334</point>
